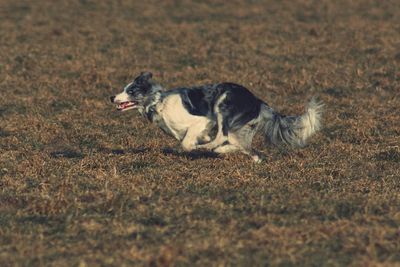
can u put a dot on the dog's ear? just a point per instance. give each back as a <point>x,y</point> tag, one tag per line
<point>143,78</point>
<point>146,75</point>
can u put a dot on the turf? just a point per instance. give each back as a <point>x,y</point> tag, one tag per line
<point>81,184</point>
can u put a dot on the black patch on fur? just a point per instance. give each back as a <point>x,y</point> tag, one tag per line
<point>200,100</point>
<point>197,104</point>
<point>239,106</point>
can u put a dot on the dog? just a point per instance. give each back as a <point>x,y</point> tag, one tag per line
<point>222,117</point>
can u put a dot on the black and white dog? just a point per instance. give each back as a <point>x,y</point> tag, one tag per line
<point>221,117</point>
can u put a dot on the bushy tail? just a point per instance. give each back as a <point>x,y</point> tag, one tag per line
<point>291,130</point>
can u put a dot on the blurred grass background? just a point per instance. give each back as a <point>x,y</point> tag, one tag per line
<point>81,184</point>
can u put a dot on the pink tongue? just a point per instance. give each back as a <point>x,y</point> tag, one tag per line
<point>125,105</point>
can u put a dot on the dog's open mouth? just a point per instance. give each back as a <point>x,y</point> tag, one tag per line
<point>126,105</point>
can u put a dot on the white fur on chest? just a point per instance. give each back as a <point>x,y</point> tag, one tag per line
<point>177,119</point>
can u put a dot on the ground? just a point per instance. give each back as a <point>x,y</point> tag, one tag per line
<point>82,184</point>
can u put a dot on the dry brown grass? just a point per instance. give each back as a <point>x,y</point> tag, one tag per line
<point>83,184</point>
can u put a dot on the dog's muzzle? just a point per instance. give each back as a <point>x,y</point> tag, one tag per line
<point>122,106</point>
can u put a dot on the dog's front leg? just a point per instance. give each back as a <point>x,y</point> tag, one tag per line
<point>219,140</point>
<point>189,142</point>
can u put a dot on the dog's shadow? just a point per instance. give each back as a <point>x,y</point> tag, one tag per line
<point>123,151</point>
<point>197,154</point>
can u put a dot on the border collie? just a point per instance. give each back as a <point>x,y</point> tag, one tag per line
<point>222,117</point>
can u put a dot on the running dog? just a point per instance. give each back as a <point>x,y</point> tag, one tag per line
<point>222,117</point>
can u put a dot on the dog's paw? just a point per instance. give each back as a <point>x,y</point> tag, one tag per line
<point>257,158</point>
<point>206,139</point>
<point>200,147</point>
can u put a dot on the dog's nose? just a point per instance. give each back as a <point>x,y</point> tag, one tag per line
<point>112,98</point>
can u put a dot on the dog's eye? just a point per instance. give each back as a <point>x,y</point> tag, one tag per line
<point>130,92</point>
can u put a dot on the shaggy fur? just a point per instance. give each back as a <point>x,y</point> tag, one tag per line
<point>221,117</point>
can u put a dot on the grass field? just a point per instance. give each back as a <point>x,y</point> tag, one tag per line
<point>81,184</point>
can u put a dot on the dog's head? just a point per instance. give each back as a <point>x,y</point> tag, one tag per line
<point>137,93</point>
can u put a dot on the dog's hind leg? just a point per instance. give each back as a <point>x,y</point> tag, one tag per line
<point>243,139</point>
<point>222,133</point>
<point>220,139</point>
<point>228,148</point>
<point>254,154</point>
